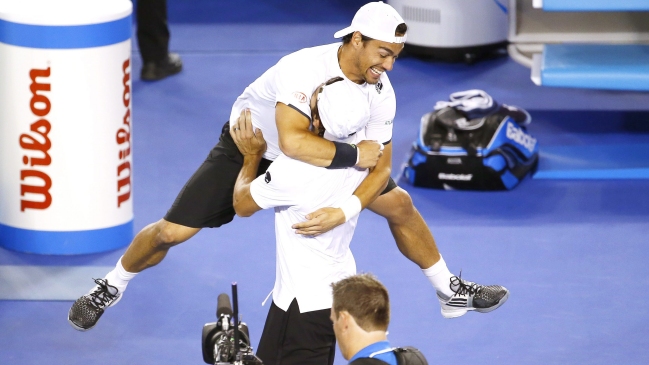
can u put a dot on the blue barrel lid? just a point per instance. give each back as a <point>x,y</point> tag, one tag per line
<point>64,24</point>
<point>64,12</point>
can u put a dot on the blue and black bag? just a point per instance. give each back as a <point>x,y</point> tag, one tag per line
<point>472,143</point>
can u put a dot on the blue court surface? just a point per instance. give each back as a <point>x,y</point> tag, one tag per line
<point>572,251</point>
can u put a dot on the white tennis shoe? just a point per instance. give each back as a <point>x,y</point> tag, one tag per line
<point>469,296</point>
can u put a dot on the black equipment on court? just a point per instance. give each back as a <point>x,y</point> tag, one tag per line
<point>472,143</point>
<point>223,345</point>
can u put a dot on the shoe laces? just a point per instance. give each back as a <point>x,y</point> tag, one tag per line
<point>101,296</point>
<point>463,287</point>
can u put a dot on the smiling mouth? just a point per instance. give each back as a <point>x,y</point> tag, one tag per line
<point>375,72</point>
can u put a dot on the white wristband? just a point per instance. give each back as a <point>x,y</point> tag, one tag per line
<point>351,207</point>
<point>358,155</point>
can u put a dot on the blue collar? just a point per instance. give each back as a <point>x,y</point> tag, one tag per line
<point>388,357</point>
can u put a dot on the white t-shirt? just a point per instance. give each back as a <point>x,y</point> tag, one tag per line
<point>292,82</point>
<point>306,266</point>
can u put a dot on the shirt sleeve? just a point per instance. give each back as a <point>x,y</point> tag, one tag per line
<point>275,188</point>
<point>294,87</point>
<point>382,112</point>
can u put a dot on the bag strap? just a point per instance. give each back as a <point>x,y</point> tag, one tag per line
<point>367,361</point>
<point>409,356</point>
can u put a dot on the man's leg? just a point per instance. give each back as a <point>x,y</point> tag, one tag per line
<point>294,338</point>
<point>153,242</point>
<point>272,335</point>
<point>204,201</point>
<point>153,40</point>
<point>416,242</point>
<point>152,30</point>
<point>410,231</point>
<point>148,248</point>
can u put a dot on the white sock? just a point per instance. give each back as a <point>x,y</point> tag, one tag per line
<point>440,277</point>
<point>119,277</point>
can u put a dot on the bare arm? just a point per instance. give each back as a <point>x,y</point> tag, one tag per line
<point>244,204</point>
<point>298,142</point>
<point>252,145</point>
<point>377,179</point>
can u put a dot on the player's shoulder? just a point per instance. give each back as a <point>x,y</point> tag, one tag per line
<point>306,57</point>
<point>306,67</point>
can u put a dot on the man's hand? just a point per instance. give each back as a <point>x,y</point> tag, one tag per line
<point>370,152</point>
<point>249,142</point>
<point>320,221</point>
<point>252,146</point>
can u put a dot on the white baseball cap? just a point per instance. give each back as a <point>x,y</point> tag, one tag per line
<point>376,20</point>
<point>343,109</point>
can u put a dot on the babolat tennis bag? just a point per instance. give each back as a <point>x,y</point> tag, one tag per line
<point>473,143</point>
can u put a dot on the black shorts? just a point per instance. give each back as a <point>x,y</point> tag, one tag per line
<point>206,199</point>
<point>294,338</point>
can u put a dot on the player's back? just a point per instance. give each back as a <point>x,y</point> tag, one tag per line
<point>306,265</point>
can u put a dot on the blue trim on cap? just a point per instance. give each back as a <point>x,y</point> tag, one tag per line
<point>66,242</point>
<point>65,36</point>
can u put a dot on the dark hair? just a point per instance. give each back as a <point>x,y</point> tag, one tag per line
<point>399,32</point>
<point>365,298</point>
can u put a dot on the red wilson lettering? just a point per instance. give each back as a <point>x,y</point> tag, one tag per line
<point>36,145</point>
<point>123,138</point>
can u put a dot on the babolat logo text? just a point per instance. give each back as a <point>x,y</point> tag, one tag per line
<point>455,177</point>
<point>123,138</point>
<point>517,135</point>
<point>34,182</point>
